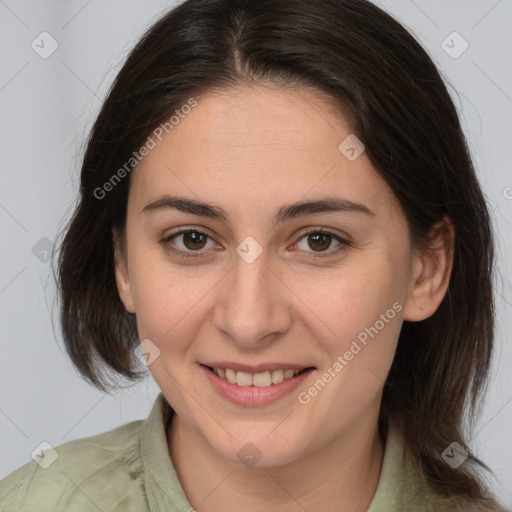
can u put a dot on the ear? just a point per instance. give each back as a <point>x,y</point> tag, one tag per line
<point>124,286</point>
<point>431,270</point>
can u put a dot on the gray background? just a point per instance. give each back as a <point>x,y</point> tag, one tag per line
<point>47,106</point>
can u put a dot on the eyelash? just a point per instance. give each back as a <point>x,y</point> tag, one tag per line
<point>165,241</point>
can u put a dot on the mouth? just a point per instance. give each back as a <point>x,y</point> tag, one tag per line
<point>255,386</point>
<point>260,379</point>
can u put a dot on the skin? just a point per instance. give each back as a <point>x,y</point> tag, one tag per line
<point>251,151</point>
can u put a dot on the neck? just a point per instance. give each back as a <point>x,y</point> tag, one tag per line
<point>344,471</point>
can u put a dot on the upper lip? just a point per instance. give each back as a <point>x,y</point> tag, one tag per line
<point>263,367</point>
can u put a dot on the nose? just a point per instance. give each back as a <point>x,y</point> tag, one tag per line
<point>252,308</point>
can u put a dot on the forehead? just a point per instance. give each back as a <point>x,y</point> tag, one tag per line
<point>258,147</point>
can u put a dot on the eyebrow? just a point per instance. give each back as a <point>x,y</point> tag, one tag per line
<point>284,213</point>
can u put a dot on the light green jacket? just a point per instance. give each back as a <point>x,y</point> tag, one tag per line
<point>129,469</point>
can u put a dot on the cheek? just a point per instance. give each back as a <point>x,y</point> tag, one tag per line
<point>354,298</point>
<point>363,311</point>
<point>170,301</point>
<point>169,309</point>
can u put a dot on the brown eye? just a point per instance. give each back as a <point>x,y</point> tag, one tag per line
<point>194,240</point>
<point>319,241</point>
<point>192,243</point>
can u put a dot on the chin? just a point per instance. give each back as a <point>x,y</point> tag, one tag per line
<point>257,453</point>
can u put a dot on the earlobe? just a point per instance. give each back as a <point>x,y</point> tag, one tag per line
<point>431,271</point>
<point>122,275</point>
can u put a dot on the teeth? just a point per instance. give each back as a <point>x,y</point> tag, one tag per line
<point>277,376</point>
<point>231,376</point>
<point>289,373</point>
<point>243,379</point>
<point>260,380</point>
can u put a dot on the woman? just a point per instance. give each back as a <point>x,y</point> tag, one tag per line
<point>278,201</point>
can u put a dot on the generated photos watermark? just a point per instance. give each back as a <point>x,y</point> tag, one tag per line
<point>304,397</point>
<point>137,156</point>
<point>146,352</point>
<point>44,455</point>
<point>454,455</point>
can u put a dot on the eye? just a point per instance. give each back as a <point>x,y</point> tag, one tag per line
<point>319,241</point>
<point>192,241</point>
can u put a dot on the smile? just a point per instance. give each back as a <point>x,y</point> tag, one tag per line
<point>263,386</point>
<point>261,379</point>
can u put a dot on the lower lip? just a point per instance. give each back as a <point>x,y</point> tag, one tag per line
<point>253,396</point>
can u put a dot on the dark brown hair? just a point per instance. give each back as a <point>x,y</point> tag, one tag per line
<point>398,105</point>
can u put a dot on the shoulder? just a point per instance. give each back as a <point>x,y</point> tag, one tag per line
<point>404,486</point>
<point>98,472</point>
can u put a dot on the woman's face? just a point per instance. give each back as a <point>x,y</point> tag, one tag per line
<point>248,289</point>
